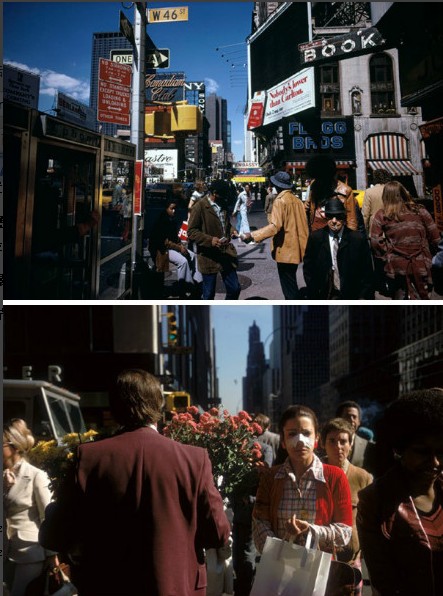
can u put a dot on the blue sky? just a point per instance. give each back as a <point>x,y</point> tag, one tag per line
<point>54,40</point>
<point>231,324</point>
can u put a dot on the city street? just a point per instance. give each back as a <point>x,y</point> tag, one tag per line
<point>257,270</point>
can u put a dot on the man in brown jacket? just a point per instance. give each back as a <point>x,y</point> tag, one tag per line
<point>210,228</point>
<point>288,228</point>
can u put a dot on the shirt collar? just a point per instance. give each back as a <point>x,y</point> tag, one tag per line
<point>339,235</point>
<point>315,470</point>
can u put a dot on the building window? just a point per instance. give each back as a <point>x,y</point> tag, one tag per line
<point>330,89</point>
<point>382,84</point>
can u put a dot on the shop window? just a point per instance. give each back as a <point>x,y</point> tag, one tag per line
<point>116,228</point>
<point>382,85</point>
<point>330,89</point>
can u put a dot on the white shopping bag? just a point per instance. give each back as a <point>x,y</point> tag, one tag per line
<point>287,569</point>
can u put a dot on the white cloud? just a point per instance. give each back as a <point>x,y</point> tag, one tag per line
<point>51,81</point>
<point>211,86</point>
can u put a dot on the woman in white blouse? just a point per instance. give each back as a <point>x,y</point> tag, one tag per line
<point>26,494</point>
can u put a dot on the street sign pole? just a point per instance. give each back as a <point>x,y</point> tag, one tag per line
<point>138,121</point>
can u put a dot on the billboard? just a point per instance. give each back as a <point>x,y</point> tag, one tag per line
<point>71,110</point>
<point>161,162</point>
<point>293,95</point>
<point>20,86</point>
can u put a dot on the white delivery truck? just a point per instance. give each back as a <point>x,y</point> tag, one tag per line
<point>49,411</point>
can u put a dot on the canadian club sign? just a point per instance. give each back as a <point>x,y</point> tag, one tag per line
<point>345,46</point>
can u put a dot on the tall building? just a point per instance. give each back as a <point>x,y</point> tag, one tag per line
<point>301,342</point>
<point>217,115</point>
<point>254,398</point>
<point>378,353</point>
<point>102,44</point>
<point>197,154</point>
<point>359,117</point>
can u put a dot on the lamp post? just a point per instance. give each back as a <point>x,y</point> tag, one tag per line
<point>138,120</point>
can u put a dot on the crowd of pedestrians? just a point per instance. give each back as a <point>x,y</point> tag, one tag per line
<point>390,245</point>
<point>139,512</point>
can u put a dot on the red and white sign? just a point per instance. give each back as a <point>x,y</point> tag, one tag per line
<point>257,109</point>
<point>138,177</point>
<point>114,102</point>
<point>114,72</point>
<point>293,95</point>
<point>114,92</point>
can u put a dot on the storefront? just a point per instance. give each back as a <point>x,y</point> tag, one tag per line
<point>328,136</point>
<point>68,208</point>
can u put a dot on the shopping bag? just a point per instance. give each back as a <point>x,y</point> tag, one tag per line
<point>183,232</point>
<point>287,569</point>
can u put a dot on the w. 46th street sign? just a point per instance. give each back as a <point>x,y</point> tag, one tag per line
<point>167,15</point>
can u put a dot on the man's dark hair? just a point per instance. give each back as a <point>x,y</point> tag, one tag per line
<point>413,416</point>
<point>347,404</point>
<point>382,176</point>
<point>221,187</point>
<point>137,398</point>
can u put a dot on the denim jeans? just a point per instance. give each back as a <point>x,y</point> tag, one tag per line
<point>287,273</point>
<point>230,279</point>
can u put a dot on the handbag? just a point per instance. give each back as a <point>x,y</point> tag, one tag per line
<point>183,232</point>
<point>52,582</point>
<point>287,569</point>
<point>162,261</point>
<point>343,579</point>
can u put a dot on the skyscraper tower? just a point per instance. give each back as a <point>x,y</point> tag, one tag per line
<point>102,44</point>
<point>217,115</point>
<point>254,399</point>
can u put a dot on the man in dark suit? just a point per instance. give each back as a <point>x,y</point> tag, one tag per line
<point>142,508</point>
<point>363,452</point>
<point>337,263</point>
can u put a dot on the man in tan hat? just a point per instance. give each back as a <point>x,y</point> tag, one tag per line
<point>288,228</point>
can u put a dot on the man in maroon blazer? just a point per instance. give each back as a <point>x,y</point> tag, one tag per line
<point>142,508</point>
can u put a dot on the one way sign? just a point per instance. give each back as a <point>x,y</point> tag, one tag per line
<point>157,58</point>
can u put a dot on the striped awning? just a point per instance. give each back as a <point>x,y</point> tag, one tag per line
<point>397,167</point>
<point>387,146</point>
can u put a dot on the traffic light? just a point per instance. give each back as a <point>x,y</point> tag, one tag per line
<point>172,330</point>
<point>177,401</point>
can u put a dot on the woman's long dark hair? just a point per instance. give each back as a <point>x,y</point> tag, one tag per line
<point>322,169</point>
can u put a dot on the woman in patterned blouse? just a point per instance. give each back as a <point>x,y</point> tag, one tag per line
<point>302,493</point>
<point>403,234</point>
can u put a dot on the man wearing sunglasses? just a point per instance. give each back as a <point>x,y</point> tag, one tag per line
<point>337,263</point>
